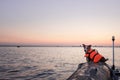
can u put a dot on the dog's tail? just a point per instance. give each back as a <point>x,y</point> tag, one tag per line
<point>106,59</point>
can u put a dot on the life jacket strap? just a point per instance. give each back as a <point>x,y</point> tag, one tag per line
<point>94,56</point>
<point>90,52</point>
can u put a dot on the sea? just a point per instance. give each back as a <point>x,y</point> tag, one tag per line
<point>46,63</point>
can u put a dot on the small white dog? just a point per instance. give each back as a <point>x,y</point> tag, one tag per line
<point>92,54</point>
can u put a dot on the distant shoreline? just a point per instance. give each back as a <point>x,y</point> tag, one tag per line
<point>47,46</point>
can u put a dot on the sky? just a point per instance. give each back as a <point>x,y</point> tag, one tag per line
<point>59,22</point>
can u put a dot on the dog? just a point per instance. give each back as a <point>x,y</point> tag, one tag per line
<point>92,54</point>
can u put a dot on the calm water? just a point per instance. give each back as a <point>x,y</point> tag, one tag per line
<point>45,63</point>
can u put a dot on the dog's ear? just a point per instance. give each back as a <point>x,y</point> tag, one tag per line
<point>89,46</point>
<point>83,45</point>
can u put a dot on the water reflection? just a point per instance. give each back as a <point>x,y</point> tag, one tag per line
<point>44,63</point>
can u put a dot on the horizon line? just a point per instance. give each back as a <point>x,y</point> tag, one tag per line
<point>15,45</point>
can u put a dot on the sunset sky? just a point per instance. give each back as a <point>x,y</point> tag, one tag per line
<point>59,22</point>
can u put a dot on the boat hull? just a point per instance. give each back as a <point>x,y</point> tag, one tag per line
<point>91,71</point>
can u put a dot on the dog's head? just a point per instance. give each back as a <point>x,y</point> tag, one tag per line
<point>86,47</point>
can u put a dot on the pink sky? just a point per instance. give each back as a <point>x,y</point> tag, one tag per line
<point>59,22</point>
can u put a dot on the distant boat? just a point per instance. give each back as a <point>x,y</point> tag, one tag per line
<point>18,46</point>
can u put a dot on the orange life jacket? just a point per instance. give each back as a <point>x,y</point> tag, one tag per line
<point>93,55</point>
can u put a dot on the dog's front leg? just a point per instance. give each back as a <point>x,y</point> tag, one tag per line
<point>87,59</point>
